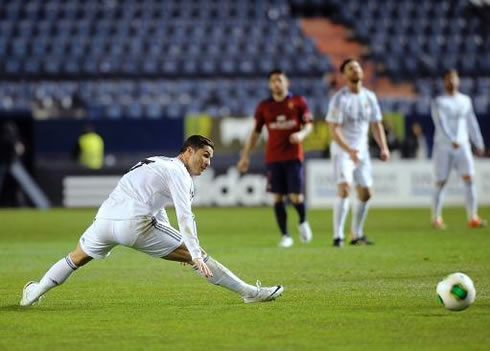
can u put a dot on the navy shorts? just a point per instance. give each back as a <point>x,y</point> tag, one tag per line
<point>285,177</point>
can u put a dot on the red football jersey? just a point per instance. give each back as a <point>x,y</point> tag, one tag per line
<point>282,119</point>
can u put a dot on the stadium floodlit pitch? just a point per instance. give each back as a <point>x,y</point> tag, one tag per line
<point>355,298</point>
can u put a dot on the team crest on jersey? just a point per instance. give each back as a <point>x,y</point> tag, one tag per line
<point>291,105</point>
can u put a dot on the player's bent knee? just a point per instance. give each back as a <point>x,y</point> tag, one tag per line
<point>343,190</point>
<point>365,197</point>
<point>441,183</point>
<point>278,198</point>
<point>296,198</point>
<point>79,257</point>
<point>180,254</point>
<point>365,194</point>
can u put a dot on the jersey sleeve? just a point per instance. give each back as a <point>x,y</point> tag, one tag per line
<point>305,113</point>
<point>335,113</point>
<point>259,118</point>
<point>440,120</point>
<point>376,115</point>
<point>180,189</point>
<point>473,128</point>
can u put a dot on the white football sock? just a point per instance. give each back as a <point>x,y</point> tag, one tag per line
<point>56,275</point>
<point>359,213</point>
<point>437,202</point>
<point>340,210</point>
<point>222,276</point>
<point>470,199</point>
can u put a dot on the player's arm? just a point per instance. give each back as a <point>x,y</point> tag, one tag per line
<point>377,128</point>
<point>338,137</point>
<point>306,123</point>
<point>180,190</point>
<point>187,225</point>
<point>440,121</point>
<point>380,136</point>
<point>250,144</point>
<point>299,136</point>
<point>475,132</point>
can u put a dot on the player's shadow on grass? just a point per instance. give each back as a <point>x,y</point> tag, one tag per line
<point>17,308</point>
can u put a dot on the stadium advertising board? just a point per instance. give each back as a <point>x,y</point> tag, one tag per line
<point>396,183</point>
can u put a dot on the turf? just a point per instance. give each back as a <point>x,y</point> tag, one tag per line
<point>355,298</point>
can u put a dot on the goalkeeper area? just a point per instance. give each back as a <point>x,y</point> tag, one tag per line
<point>371,298</point>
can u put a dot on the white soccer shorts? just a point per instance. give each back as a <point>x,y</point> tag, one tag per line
<point>345,171</point>
<point>145,234</point>
<point>446,158</point>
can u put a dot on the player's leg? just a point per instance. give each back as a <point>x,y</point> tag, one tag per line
<point>364,181</point>
<point>280,212</point>
<point>343,168</point>
<point>221,275</point>
<point>359,214</point>
<point>163,241</point>
<point>93,244</point>
<point>277,185</point>
<point>465,167</point>
<point>295,183</point>
<point>442,167</point>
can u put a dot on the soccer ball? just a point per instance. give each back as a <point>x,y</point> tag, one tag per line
<point>456,292</point>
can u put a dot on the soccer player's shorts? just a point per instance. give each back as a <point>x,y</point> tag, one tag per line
<point>446,158</point>
<point>285,177</point>
<point>346,171</point>
<point>145,234</point>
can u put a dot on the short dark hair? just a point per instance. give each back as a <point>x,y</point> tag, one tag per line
<point>275,71</point>
<point>196,142</point>
<point>449,71</point>
<point>345,63</point>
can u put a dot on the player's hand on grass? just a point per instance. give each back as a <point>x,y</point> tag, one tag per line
<point>384,155</point>
<point>202,267</point>
<point>242,165</point>
<point>295,138</point>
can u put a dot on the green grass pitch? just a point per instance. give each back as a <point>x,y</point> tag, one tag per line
<point>355,298</point>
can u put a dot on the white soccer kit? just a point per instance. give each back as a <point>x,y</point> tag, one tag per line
<point>353,112</point>
<point>454,121</point>
<point>134,214</point>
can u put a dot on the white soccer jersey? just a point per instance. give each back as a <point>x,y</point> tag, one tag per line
<point>353,112</point>
<point>150,186</point>
<point>455,121</point>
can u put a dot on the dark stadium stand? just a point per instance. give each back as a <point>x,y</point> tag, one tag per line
<point>417,39</point>
<point>150,58</point>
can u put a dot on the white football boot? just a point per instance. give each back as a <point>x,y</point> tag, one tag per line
<point>28,296</point>
<point>264,294</point>
<point>286,241</point>
<point>305,234</point>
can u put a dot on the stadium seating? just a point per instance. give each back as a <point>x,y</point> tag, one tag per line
<point>418,39</point>
<point>128,55</point>
<point>148,58</point>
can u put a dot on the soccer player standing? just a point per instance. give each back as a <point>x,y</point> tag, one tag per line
<point>288,121</point>
<point>351,110</point>
<point>134,216</point>
<point>455,124</point>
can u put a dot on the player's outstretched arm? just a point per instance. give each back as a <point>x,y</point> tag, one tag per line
<point>380,137</point>
<point>250,144</point>
<point>338,137</point>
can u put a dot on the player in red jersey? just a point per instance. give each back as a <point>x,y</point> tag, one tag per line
<point>288,121</point>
